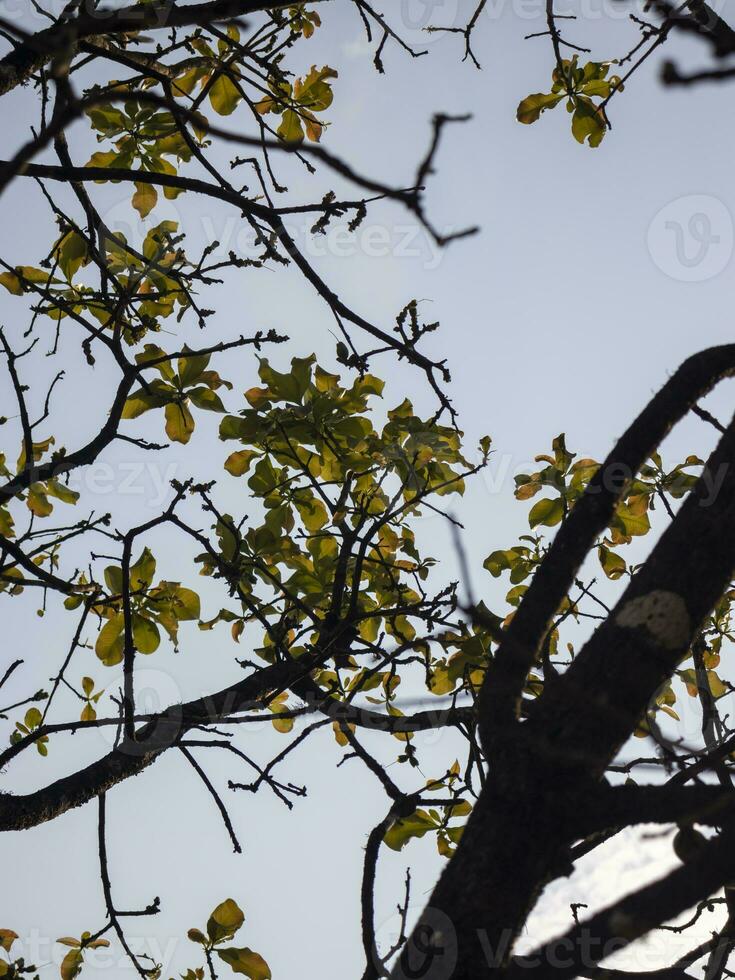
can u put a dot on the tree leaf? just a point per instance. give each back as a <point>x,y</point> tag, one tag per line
<point>179,422</point>
<point>206,399</point>
<point>238,463</point>
<point>547,512</point>
<point>145,198</point>
<point>613,565</point>
<point>72,964</point>
<point>531,107</point>
<point>33,718</point>
<point>71,253</point>
<point>88,713</point>
<point>245,961</point>
<point>142,401</point>
<point>37,501</point>
<point>146,635</point>
<point>224,95</point>
<point>716,685</point>
<point>142,571</point>
<point>12,283</point>
<point>290,129</point>
<point>224,921</point>
<point>404,829</point>
<point>191,368</point>
<point>588,122</point>
<point>110,642</point>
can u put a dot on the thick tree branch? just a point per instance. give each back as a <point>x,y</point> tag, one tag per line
<point>22,62</point>
<point>131,758</point>
<point>501,691</point>
<point>623,806</point>
<point>633,916</point>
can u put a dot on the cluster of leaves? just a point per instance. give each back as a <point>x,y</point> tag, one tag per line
<point>565,477</point>
<point>153,280</point>
<point>223,923</point>
<point>90,698</point>
<point>422,821</point>
<point>466,652</point>
<point>143,136</point>
<point>579,86</point>
<point>303,21</point>
<point>71,965</point>
<point>152,608</point>
<point>32,720</point>
<point>150,282</point>
<point>40,495</point>
<point>333,485</point>
<point>217,73</point>
<point>13,969</point>
<point>148,138</point>
<point>337,492</point>
<point>296,103</point>
<point>190,384</point>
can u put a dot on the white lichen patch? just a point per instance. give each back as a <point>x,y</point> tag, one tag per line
<point>662,614</point>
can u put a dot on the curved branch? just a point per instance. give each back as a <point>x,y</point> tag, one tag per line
<point>623,806</point>
<point>501,691</point>
<point>38,49</point>
<point>266,214</point>
<point>633,916</point>
<point>131,758</point>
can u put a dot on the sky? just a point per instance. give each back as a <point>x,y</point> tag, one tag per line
<point>594,274</point>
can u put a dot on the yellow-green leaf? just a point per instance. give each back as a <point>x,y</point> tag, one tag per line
<point>224,95</point>
<point>179,422</point>
<point>145,198</point>
<point>72,963</point>
<point>238,463</point>
<point>245,961</point>
<point>531,107</point>
<point>11,282</point>
<point>547,512</point>
<point>110,642</point>
<point>88,713</point>
<point>37,501</point>
<point>33,718</point>
<point>224,921</point>
<point>145,634</point>
<point>290,129</point>
<point>142,571</point>
<point>72,253</point>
